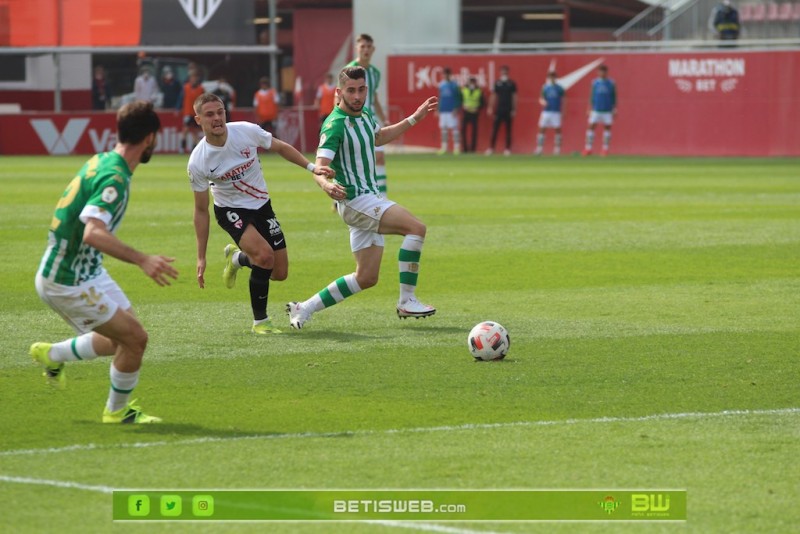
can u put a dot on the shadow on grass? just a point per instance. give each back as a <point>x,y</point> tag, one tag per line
<point>203,433</point>
<point>212,434</point>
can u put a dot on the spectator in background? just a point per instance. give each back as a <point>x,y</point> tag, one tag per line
<point>449,103</point>
<point>471,104</point>
<point>227,94</point>
<point>725,21</point>
<point>171,89</point>
<point>266,102</point>
<point>551,100</point>
<point>324,100</point>
<point>503,106</point>
<point>101,89</point>
<point>602,108</point>
<point>192,89</point>
<point>145,86</point>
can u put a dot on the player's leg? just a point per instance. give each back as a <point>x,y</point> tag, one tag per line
<point>131,340</point>
<point>509,123</point>
<point>367,247</point>
<point>442,133</point>
<point>587,149</point>
<point>465,122</point>
<point>263,260</point>
<point>398,220</point>
<point>380,169</point>
<point>259,236</point>
<point>606,137</point>
<point>456,135</point>
<point>493,139</point>
<point>540,136</point>
<point>557,142</point>
<point>82,307</point>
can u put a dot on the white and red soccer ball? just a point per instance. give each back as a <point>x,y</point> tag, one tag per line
<point>488,341</point>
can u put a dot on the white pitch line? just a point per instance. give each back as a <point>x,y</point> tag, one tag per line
<point>391,431</point>
<point>55,483</point>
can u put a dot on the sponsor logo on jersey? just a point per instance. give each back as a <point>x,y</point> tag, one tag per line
<point>237,172</point>
<point>245,152</point>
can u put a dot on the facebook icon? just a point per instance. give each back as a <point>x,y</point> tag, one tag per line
<point>138,505</point>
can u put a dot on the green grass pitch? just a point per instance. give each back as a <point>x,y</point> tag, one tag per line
<point>652,304</point>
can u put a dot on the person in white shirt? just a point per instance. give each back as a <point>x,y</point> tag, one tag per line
<point>145,86</point>
<point>226,162</point>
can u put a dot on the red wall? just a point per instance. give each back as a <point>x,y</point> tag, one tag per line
<point>746,103</point>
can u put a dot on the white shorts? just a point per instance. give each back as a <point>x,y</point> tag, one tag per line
<point>448,120</point>
<point>604,117</point>
<point>550,119</point>
<point>363,216</point>
<point>85,306</point>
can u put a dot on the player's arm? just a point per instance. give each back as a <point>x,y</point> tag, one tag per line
<point>333,189</point>
<point>387,134</point>
<point>292,155</point>
<point>201,228</point>
<point>614,99</point>
<point>159,268</point>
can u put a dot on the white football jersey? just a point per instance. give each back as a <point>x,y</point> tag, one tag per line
<point>232,171</point>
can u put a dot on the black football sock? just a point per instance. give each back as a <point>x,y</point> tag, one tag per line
<point>259,292</point>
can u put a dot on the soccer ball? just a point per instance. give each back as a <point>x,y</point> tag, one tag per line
<point>488,341</point>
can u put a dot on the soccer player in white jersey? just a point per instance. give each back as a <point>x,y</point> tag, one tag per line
<point>347,142</point>
<point>226,162</point>
<point>72,280</point>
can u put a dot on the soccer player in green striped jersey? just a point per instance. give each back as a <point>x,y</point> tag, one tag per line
<point>347,144</point>
<point>72,280</point>
<point>365,47</point>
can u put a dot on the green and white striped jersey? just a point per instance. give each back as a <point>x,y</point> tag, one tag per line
<point>100,190</point>
<point>349,142</point>
<point>373,82</point>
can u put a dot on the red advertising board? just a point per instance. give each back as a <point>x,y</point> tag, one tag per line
<point>92,132</point>
<point>718,103</point>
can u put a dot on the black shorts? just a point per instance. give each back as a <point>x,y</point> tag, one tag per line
<point>235,220</point>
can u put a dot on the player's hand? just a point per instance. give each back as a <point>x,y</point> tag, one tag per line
<point>334,190</point>
<point>201,269</point>
<point>160,269</point>
<point>324,170</point>
<point>432,104</point>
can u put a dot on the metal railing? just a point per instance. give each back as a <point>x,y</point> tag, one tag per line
<point>693,20</point>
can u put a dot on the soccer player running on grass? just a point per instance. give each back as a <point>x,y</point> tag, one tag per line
<point>226,161</point>
<point>347,143</point>
<point>72,280</point>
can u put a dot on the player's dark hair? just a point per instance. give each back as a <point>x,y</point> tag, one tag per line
<point>447,71</point>
<point>351,73</point>
<point>603,67</point>
<point>135,121</point>
<point>205,98</point>
<point>364,37</point>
